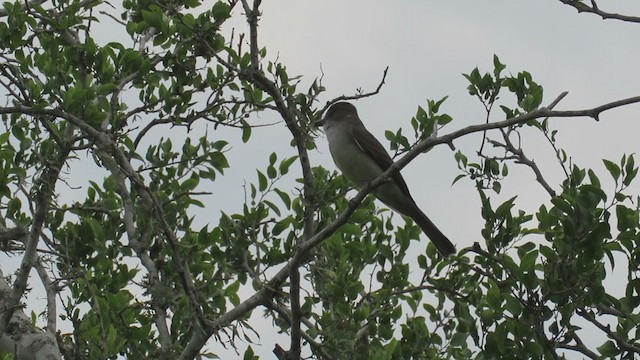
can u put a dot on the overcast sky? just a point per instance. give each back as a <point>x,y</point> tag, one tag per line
<point>427,46</point>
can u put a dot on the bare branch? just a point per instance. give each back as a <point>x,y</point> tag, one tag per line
<point>23,339</point>
<point>161,316</point>
<point>296,314</point>
<point>358,96</point>
<point>579,347</point>
<point>44,188</point>
<point>594,9</point>
<point>7,234</point>
<point>51,291</point>
<point>622,343</point>
<point>523,159</point>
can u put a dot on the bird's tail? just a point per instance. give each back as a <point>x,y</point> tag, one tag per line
<point>442,243</point>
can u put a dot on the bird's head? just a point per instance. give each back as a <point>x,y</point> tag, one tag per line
<point>338,112</point>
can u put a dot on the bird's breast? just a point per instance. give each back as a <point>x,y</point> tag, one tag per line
<point>355,164</point>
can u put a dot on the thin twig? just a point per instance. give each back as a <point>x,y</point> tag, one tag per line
<point>51,291</point>
<point>358,96</point>
<point>523,159</point>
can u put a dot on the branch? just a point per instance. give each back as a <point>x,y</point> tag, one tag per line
<point>579,346</point>
<point>51,291</point>
<point>256,76</point>
<point>23,339</point>
<point>521,158</point>
<point>358,96</point>
<point>161,316</point>
<point>7,234</point>
<point>252,14</point>
<point>105,142</point>
<point>594,9</point>
<point>296,313</point>
<point>44,187</point>
<point>519,153</point>
<point>622,343</point>
<point>287,316</point>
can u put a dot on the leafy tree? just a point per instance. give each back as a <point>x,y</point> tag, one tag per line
<point>128,271</point>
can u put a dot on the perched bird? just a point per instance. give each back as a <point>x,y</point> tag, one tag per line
<point>362,159</point>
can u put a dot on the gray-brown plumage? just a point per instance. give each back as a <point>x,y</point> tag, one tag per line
<point>362,159</point>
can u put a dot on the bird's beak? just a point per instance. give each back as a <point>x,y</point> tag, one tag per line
<point>319,123</point>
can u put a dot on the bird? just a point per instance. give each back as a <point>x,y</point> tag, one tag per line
<point>361,158</point>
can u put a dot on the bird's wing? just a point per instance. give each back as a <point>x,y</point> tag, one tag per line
<point>371,146</point>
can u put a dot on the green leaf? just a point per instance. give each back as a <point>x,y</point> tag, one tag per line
<point>286,199</point>
<point>534,350</point>
<point>627,218</point>
<point>272,206</point>
<point>271,172</point>
<point>593,178</point>
<point>630,171</point>
<point>210,356</point>
<point>262,181</point>
<point>458,178</point>
<point>281,225</point>
<point>232,288</point>
<point>513,306</point>
<point>249,354</point>
<point>105,89</point>
<point>504,208</point>
<point>562,204</point>
<point>96,228</point>
<point>608,349</point>
<point>493,295</point>
<point>221,11</point>
<point>286,163</point>
<point>351,229</point>
<point>497,66</point>
<point>496,187</point>
<point>613,169</point>
<point>190,183</point>
<point>218,161</point>
<point>246,131</point>
<point>152,18</point>
<point>13,207</point>
<point>528,261</point>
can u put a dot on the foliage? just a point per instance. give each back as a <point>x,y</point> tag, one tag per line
<point>137,276</point>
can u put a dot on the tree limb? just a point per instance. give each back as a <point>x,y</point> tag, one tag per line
<point>23,339</point>
<point>44,188</point>
<point>594,9</point>
<point>287,316</point>
<point>622,343</point>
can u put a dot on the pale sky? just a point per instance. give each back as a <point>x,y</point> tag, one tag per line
<point>427,46</point>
